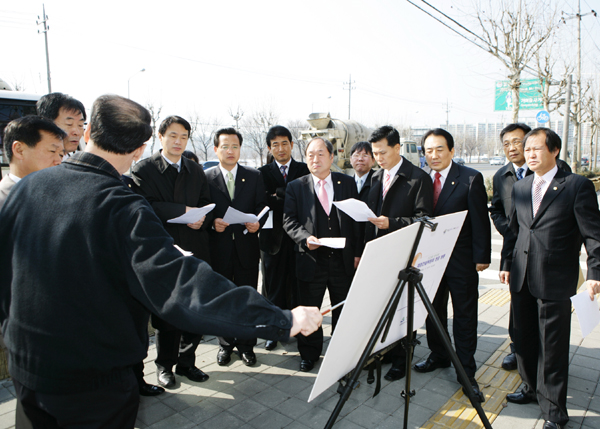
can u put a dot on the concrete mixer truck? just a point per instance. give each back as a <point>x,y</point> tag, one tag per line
<point>343,134</point>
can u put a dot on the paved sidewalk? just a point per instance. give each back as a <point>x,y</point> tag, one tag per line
<point>273,393</point>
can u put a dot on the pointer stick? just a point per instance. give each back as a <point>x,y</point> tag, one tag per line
<point>339,304</point>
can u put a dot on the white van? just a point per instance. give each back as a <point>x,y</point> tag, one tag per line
<point>410,151</point>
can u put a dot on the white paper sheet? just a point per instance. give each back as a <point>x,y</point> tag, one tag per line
<point>356,209</point>
<point>193,215</point>
<point>333,242</point>
<point>183,252</point>
<point>587,312</point>
<point>269,222</point>
<point>233,216</point>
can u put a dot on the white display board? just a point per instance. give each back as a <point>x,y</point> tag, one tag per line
<point>373,286</point>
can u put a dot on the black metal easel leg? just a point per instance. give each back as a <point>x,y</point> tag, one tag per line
<point>462,375</point>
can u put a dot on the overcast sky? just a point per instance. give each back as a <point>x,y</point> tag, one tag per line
<point>293,57</point>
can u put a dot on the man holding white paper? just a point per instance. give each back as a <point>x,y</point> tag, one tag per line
<point>235,254</point>
<point>174,185</point>
<point>309,214</point>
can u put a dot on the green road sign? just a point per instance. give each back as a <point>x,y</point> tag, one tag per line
<point>530,95</point>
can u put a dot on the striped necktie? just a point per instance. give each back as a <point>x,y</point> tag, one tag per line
<point>537,196</point>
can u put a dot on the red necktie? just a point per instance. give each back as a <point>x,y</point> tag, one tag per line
<point>437,188</point>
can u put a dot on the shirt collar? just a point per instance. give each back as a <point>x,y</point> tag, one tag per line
<point>328,180</point>
<point>549,175</point>
<point>287,164</point>
<point>14,178</point>
<point>177,164</point>
<point>224,172</point>
<point>93,161</point>
<point>392,172</point>
<point>444,172</point>
<point>524,167</point>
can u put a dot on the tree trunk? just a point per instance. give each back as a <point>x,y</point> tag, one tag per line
<point>515,85</point>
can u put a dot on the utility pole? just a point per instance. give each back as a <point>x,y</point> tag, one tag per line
<point>447,115</point>
<point>565,140</point>
<point>350,88</point>
<point>45,31</point>
<point>576,160</point>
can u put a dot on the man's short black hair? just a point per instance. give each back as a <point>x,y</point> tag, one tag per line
<point>50,104</point>
<point>119,125</point>
<point>228,132</point>
<point>553,141</point>
<point>439,132</point>
<point>27,130</point>
<point>328,144</point>
<point>278,131</point>
<point>387,132</point>
<point>164,125</point>
<point>512,127</point>
<point>191,155</point>
<point>360,146</point>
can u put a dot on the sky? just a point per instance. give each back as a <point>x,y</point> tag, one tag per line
<point>209,57</point>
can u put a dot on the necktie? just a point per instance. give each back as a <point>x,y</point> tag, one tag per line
<point>520,173</point>
<point>230,185</point>
<point>437,188</point>
<point>537,196</point>
<point>283,169</point>
<point>323,197</point>
<point>359,185</point>
<point>386,183</point>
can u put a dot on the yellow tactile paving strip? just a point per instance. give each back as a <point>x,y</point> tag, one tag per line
<point>496,297</point>
<point>495,383</point>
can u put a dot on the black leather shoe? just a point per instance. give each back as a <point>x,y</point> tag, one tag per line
<point>476,390</point>
<point>223,356</point>
<point>150,389</point>
<point>510,362</point>
<point>395,373</point>
<point>166,378</point>
<point>551,425</point>
<point>431,364</point>
<point>521,397</point>
<point>193,373</point>
<point>306,365</point>
<point>249,358</point>
<point>270,345</point>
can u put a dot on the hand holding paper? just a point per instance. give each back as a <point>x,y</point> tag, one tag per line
<point>233,216</point>
<point>333,242</point>
<point>193,215</point>
<point>587,312</point>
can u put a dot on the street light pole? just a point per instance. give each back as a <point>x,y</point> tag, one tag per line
<point>139,71</point>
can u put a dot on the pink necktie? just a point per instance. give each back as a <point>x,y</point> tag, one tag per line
<point>386,183</point>
<point>323,197</point>
<point>538,183</point>
<point>437,188</point>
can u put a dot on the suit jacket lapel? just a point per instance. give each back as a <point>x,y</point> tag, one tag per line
<point>220,182</point>
<point>277,174</point>
<point>337,196</point>
<point>449,186</point>
<point>240,181</point>
<point>292,171</point>
<point>311,199</point>
<point>556,186</point>
<point>375,196</point>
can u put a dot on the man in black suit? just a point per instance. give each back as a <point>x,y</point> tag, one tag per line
<point>234,248</point>
<point>400,192</point>
<point>554,211</point>
<point>457,188</point>
<point>512,137</point>
<point>361,158</point>
<point>309,214</point>
<point>277,248</point>
<point>173,185</point>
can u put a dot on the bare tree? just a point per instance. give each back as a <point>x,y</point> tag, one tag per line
<point>296,126</point>
<point>202,134</point>
<point>255,128</point>
<point>466,143</point>
<point>514,31</point>
<point>552,90</point>
<point>155,114</point>
<point>591,111</point>
<point>236,116</point>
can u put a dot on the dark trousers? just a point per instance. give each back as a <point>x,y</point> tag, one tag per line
<point>279,275</point>
<point>464,303</point>
<point>173,346</point>
<point>240,276</point>
<point>112,406</point>
<point>542,329</point>
<point>331,275</point>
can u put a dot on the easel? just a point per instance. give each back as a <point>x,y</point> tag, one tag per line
<point>412,277</point>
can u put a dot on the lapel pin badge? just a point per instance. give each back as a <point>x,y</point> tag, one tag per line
<point>243,180</point>
<point>555,188</point>
<point>339,183</point>
<point>453,183</point>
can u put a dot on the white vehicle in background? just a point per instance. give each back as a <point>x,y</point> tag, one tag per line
<point>498,160</point>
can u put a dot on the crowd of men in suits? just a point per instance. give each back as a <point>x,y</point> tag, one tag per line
<point>537,207</point>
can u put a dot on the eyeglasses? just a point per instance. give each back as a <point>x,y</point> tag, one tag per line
<point>515,143</point>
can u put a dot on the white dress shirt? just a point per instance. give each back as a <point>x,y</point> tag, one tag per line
<point>443,173</point>
<point>224,172</point>
<point>547,179</point>
<point>177,164</point>
<point>328,188</point>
